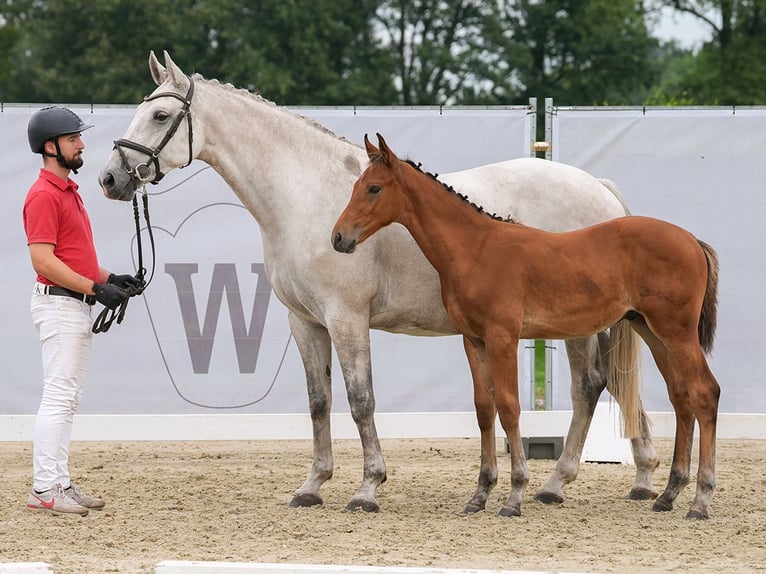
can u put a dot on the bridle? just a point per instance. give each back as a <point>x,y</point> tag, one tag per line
<point>154,154</point>
<point>108,316</point>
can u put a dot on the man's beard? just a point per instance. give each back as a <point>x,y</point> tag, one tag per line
<point>73,164</point>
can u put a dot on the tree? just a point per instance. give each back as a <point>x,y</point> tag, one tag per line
<point>728,70</point>
<point>582,52</point>
<point>319,52</point>
<point>433,43</point>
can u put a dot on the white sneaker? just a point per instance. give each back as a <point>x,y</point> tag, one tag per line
<point>55,501</point>
<point>82,498</point>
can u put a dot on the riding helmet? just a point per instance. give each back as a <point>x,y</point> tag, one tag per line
<point>52,122</point>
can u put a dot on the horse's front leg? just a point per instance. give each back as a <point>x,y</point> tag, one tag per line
<point>314,345</point>
<point>352,345</point>
<point>502,350</point>
<point>484,403</point>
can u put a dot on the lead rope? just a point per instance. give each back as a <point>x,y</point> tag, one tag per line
<point>107,316</point>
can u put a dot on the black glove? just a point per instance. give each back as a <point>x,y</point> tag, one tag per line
<point>124,281</point>
<point>109,295</point>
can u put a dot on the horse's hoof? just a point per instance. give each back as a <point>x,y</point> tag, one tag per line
<point>366,505</point>
<point>473,508</point>
<point>510,511</point>
<point>639,493</point>
<point>697,515</point>
<point>304,500</point>
<point>549,498</point>
<point>662,506</point>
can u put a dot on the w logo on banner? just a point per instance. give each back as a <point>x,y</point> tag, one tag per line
<point>222,336</point>
<point>200,336</point>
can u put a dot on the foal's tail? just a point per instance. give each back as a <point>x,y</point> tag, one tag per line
<point>624,380</point>
<point>708,315</point>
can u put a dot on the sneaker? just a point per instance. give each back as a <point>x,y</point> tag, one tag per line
<point>82,498</point>
<point>55,501</point>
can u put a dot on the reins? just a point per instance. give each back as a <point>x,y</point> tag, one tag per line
<point>107,316</point>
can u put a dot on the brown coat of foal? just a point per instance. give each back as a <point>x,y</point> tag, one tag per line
<point>503,281</point>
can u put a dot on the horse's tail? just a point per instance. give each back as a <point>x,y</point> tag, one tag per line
<point>612,187</point>
<point>708,315</point>
<point>624,380</point>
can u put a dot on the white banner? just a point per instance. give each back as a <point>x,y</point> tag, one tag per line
<point>205,241</point>
<point>699,168</point>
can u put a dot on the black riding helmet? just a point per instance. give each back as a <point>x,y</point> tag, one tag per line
<point>52,122</point>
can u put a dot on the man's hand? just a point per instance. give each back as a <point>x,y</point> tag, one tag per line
<point>124,281</point>
<point>109,295</point>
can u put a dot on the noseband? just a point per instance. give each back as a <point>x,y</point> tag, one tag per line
<point>153,154</point>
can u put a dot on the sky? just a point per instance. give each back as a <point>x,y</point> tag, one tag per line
<point>689,31</point>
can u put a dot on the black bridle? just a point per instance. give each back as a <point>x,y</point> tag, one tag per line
<point>154,154</point>
<point>107,316</point>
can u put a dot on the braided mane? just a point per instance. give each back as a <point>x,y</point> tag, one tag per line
<point>450,189</point>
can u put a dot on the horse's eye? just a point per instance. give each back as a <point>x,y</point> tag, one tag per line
<point>374,189</point>
<point>161,116</point>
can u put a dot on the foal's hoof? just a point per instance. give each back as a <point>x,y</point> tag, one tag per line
<point>510,511</point>
<point>697,515</point>
<point>549,498</point>
<point>366,505</point>
<point>304,500</point>
<point>662,506</point>
<point>639,493</point>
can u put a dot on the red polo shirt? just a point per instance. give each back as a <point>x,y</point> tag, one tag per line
<point>54,213</point>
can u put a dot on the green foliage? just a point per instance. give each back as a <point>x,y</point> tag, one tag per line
<point>379,52</point>
<point>728,70</point>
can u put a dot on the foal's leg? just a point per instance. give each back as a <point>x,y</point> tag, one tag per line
<point>313,343</point>
<point>679,398</point>
<point>502,351</point>
<point>484,403</point>
<point>703,392</point>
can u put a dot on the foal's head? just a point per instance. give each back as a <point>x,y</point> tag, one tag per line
<point>376,201</point>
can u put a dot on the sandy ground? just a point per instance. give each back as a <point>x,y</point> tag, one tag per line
<point>228,501</point>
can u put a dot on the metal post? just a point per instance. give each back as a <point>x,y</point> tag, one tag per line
<point>549,128</point>
<point>532,125</point>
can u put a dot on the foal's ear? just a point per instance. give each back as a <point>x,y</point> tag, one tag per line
<point>388,155</point>
<point>158,71</point>
<point>371,149</point>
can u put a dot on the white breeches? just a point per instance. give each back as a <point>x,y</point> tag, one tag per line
<point>64,327</point>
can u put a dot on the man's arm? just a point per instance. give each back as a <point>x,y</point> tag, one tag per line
<point>45,263</point>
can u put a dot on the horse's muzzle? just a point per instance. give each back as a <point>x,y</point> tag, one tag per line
<point>114,189</point>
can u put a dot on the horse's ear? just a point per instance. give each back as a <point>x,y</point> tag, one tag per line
<point>175,74</point>
<point>388,155</point>
<point>371,149</point>
<point>159,73</point>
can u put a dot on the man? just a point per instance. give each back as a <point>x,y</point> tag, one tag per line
<point>69,282</point>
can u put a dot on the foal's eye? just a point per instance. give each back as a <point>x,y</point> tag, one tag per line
<point>161,116</point>
<point>374,189</point>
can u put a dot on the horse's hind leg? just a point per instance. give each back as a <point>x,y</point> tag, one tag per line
<point>588,363</point>
<point>313,343</point>
<point>588,381</point>
<point>484,403</point>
